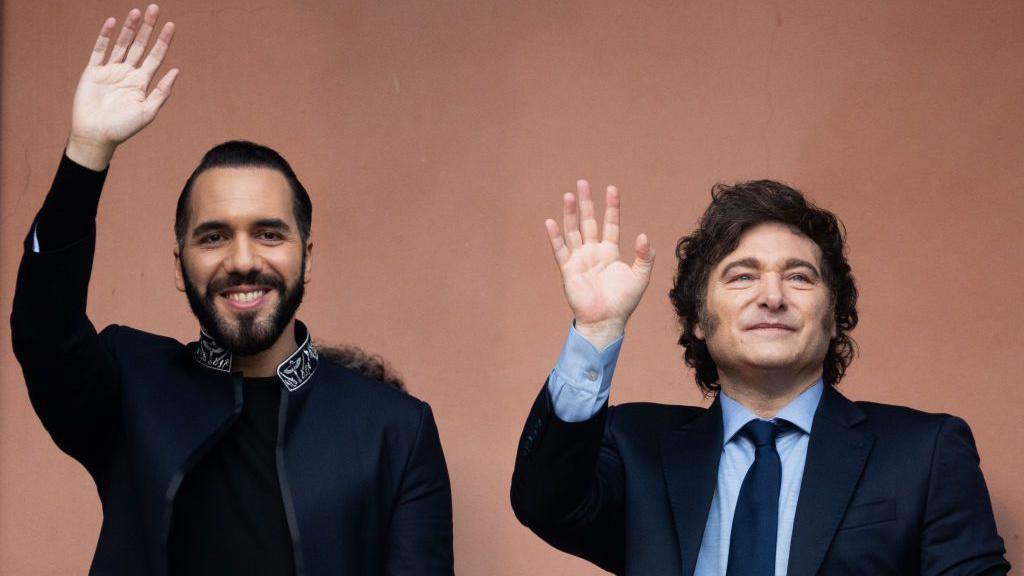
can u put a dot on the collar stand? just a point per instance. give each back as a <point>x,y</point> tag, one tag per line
<point>293,372</point>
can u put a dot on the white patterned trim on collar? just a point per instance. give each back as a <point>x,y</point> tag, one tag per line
<point>298,368</point>
<point>295,371</point>
<point>211,354</point>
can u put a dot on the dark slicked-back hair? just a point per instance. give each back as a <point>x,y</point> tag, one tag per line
<point>734,210</point>
<point>244,154</point>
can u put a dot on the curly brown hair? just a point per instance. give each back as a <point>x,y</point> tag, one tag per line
<point>733,210</point>
<point>353,358</point>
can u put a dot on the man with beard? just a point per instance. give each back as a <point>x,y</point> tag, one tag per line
<point>781,474</point>
<point>245,452</point>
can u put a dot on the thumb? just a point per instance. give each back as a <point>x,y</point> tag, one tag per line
<point>159,95</point>
<point>644,262</point>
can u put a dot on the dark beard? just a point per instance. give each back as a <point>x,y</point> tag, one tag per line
<point>249,336</point>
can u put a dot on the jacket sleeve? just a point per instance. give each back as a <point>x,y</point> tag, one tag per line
<point>69,370</point>
<point>568,484</point>
<point>959,531</point>
<point>420,538</point>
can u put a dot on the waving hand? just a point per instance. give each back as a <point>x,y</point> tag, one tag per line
<point>115,97</point>
<point>602,290</point>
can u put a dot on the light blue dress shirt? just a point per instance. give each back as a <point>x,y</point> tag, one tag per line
<point>580,384</point>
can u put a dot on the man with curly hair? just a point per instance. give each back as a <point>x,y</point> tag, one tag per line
<point>781,474</point>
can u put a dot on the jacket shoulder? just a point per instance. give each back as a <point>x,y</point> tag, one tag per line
<point>902,425</point>
<point>133,336</point>
<point>649,416</point>
<point>129,344</point>
<point>372,394</point>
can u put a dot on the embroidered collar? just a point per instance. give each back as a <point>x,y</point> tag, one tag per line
<point>295,371</point>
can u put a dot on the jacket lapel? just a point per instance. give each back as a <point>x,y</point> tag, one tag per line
<point>690,456</point>
<point>836,455</point>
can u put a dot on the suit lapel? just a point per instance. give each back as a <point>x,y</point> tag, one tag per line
<point>836,455</point>
<point>690,456</point>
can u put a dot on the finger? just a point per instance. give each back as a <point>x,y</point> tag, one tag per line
<point>142,38</point>
<point>644,262</point>
<point>558,246</point>
<point>131,24</point>
<point>571,221</point>
<point>159,95</point>
<point>611,215</point>
<point>158,51</point>
<point>588,225</point>
<point>99,50</point>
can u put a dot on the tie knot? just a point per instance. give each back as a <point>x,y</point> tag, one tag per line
<point>762,432</point>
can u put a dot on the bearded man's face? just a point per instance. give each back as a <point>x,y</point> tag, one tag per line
<point>243,263</point>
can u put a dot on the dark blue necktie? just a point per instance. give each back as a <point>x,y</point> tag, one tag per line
<point>755,525</point>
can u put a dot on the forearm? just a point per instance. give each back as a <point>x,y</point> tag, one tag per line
<point>567,484</point>
<point>68,214</point>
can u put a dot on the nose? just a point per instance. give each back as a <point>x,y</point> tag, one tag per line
<point>771,296</point>
<point>244,256</point>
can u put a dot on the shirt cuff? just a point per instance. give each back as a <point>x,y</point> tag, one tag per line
<point>581,381</point>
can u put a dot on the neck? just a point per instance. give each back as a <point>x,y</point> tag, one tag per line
<point>265,363</point>
<point>765,394</point>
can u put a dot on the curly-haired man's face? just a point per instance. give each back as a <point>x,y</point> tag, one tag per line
<point>767,308</point>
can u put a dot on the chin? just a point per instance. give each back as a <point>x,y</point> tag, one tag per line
<point>771,360</point>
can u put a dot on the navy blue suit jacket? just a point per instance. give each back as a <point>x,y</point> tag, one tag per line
<point>886,490</point>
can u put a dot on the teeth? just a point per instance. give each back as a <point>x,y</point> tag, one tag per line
<point>245,296</point>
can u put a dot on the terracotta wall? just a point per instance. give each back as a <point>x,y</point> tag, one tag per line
<point>435,137</point>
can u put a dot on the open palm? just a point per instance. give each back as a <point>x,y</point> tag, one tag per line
<point>602,290</point>
<point>113,99</point>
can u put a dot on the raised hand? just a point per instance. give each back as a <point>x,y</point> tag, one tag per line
<point>113,100</point>
<point>602,290</point>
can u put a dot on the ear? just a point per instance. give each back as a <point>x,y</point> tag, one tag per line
<point>698,330</point>
<point>179,279</point>
<point>308,272</point>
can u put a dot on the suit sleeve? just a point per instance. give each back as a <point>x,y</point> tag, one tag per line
<point>959,532</point>
<point>69,370</point>
<point>568,484</point>
<point>420,538</point>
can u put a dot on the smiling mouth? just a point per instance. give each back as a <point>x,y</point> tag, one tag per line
<point>245,298</point>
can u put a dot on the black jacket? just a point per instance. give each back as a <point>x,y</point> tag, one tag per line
<point>886,490</point>
<point>362,473</point>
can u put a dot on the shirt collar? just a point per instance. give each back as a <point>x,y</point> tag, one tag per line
<point>799,412</point>
<point>294,371</point>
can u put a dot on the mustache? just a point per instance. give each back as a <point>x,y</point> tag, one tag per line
<point>222,283</point>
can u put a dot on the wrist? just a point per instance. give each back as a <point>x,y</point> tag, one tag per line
<point>601,334</point>
<point>92,154</point>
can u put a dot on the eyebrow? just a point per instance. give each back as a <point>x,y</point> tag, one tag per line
<point>208,226</point>
<point>275,223</point>
<point>215,225</point>
<point>752,262</point>
<point>799,263</point>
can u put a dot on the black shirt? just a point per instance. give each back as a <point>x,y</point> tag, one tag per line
<point>229,514</point>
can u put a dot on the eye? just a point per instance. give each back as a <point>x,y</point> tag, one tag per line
<point>800,277</point>
<point>211,238</point>
<point>269,236</point>
<point>742,277</point>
